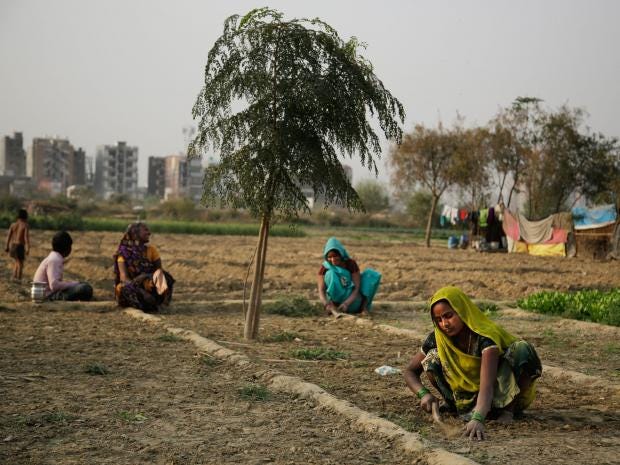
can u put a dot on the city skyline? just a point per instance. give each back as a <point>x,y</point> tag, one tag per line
<point>98,74</point>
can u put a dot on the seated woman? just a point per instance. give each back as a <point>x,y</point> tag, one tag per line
<point>341,286</point>
<point>479,368</point>
<point>140,282</point>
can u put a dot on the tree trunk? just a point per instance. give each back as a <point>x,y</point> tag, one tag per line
<point>252,316</point>
<point>429,223</point>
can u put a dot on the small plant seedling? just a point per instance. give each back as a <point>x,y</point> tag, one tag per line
<point>131,417</point>
<point>57,417</point>
<point>295,307</point>
<point>283,336</point>
<point>96,369</point>
<point>254,392</point>
<point>209,361</point>
<point>318,353</point>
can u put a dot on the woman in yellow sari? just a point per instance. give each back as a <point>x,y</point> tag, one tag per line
<point>479,368</point>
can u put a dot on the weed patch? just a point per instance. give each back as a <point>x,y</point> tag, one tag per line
<point>283,336</point>
<point>318,353</point>
<point>131,417</point>
<point>254,392</point>
<point>295,307</point>
<point>97,369</point>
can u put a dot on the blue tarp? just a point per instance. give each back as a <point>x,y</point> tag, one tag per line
<point>591,218</point>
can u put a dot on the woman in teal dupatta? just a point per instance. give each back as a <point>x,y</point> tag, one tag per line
<point>341,286</point>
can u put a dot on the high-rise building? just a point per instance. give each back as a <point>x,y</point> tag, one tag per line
<point>116,170</point>
<point>12,155</point>
<point>175,176</point>
<point>157,177</point>
<point>54,164</point>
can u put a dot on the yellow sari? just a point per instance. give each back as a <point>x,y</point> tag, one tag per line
<point>462,370</point>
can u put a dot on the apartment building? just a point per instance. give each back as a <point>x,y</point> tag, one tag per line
<point>175,176</point>
<point>54,164</point>
<point>12,155</point>
<point>116,170</point>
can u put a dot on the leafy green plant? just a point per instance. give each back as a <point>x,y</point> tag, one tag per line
<point>589,305</point>
<point>318,353</point>
<point>57,417</point>
<point>131,417</point>
<point>283,336</point>
<point>96,369</point>
<point>294,306</point>
<point>488,308</point>
<point>209,361</point>
<point>254,392</point>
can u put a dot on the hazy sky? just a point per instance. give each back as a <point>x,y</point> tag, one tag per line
<point>98,72</point>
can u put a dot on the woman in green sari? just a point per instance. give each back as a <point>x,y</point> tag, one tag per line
<point>341,286</point>
<point>479,368</point>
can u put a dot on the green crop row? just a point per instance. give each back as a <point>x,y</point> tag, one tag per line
<point>587,305</point>
<point>74,222</point>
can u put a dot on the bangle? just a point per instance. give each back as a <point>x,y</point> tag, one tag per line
<point>477,416</point>
<point>422,392</point>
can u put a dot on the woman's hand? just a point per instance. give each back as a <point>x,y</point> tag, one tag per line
<point>427,402</point>
<point>343,307</point>
<point>475,430</point>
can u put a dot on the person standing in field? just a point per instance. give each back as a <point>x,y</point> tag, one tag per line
<point>341,286</point>
<point>18,243</point>
<point>51,270</point>
<point>139,279</point>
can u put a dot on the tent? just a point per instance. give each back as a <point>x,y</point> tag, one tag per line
<point>547,237</point>
<point>597,231</point>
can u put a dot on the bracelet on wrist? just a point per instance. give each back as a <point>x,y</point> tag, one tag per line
<point>477,416</point>
<point>422,392</point>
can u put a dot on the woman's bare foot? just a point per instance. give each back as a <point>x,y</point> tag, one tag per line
<point>505,417</point>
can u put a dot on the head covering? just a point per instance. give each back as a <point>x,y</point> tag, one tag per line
<point>133,252</point>
<point>462,370</point>
<point>334,244</point>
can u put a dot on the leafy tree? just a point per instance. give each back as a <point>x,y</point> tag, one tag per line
<point>513,136</point>
<point>374,195</point>
<point>281,101</point>
<point>418,207</point>
<point>472,165</point>
<point>427,158</point>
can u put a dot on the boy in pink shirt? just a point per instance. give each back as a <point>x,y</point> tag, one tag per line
<point>51,269</point>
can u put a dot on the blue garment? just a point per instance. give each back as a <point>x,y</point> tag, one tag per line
<point>339,283</point>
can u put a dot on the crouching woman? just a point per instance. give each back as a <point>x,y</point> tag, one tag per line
<point>480,369</point>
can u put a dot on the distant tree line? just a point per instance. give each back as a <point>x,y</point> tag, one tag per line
<point>547,155</point>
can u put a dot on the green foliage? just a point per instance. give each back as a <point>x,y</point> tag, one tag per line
<point>131,417</point>
<point>589,305</point>
<point>283,336</point>
<point>488,308</point>
<point>96,369</point>
<point>301,97</point>
<point>373,194</point>
<point>177,209</point>
<point>254,392</point>
<point>418,206</point>
<point>319,353</point>
<point>293,306</point>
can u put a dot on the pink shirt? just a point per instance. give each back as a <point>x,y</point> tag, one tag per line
<point>50,272</point>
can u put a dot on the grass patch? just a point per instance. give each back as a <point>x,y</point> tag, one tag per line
<point>169,338</point>
<point>209,361</point>
<point>131,417</point>
<point>404,422</point>
<point>283,336</point>
<point>189,227</point>
<point>318,353</point>
<point>587,305</point>
<point>294,306</point>
<point>97,369</point>
<point>488,308</point>
<point>254,392</point>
